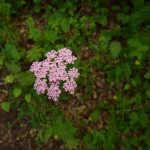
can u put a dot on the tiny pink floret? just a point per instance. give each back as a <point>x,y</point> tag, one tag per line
<point>53,70</point>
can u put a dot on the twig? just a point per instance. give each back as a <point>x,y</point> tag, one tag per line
<point>3,83</point>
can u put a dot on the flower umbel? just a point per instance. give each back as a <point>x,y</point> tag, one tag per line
<point>53,70</point>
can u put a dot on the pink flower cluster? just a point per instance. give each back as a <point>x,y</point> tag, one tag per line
<point>54,68</point>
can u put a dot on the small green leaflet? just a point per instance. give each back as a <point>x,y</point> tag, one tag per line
<point>95,114</point>
<point>128,70</point>
<point>28,98</point>
<point>65,25</point>
<point>133,82</point>
<point>118,71</point>
<point>134,118</point>
<point>142,119</point>
<point>5,106</point>
<point>34,33</point>
<point>102,19</point>
<point>115,48</point>
<point>17,92</point>
<point>30,22</point>
<point>37,8</point>
<point>1,61</point>
<point>147,75</point>
<point>9,78</point>
<point>148,93</point>
<point>127,86</point>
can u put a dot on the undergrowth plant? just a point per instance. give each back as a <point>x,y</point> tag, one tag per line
<point>125,47</point>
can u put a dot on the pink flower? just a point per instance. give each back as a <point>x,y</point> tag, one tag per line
<point>54,67</point>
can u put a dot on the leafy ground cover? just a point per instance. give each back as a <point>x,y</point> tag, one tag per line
<point>110,105</point>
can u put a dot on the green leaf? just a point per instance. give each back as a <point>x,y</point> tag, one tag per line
<point>95,115</point>
<point>101,135</point>
<point>13,67</point>
<point>17,92</point>
<point>133,82</point>
<point>9,125</point>
<point>128,70</point>
<point>26,78</point>
<point>118,71</point>
<point>134,118</point>
<point>115,48</point>
<point>65,25</point>
<point>28,98</point>
<point>34,33</point>
<point>5,106</point>
<point>37,8</point>
<point>9,78</point>
<point>148,93</point>
<point>33,54</point>
<point>66,128</point>
<point>144,119</point>
<point>59,46</point>
<point>51,36</point>
<point>136,53</point>
<point>1,61</point>
<point>102,19</point>
<point>72,144</point>
<point>147,75</point>
<point>127,86</point>
<point>60,14</point>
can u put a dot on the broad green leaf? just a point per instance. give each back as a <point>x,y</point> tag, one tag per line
<point>147,75</point>
<point>136,53</point>
<point>148,93</point>
<point>115,48</point>
<point>127,86</point>
<point>28,98</point>
<point>17,92</point>
<point>33,54</point>
<point>60,14</point>
<point>134,118</point>
<point>102,19</point>
<point>95,114</point>
<point>51,36</point>
<point>9,78</point>
<point>72,144</point>
<point>65,25</point>
<point>26,78</point>
<point>144,48</point>
<point>66,128</point>
<point>5,106</point>
<point>13,67</point>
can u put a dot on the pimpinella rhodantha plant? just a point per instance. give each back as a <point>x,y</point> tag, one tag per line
<point>53,70</point>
